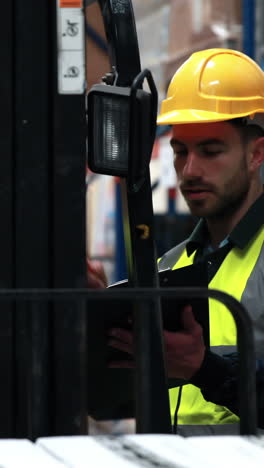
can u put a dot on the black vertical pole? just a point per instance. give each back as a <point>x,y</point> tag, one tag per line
<point>7,408</point>
<point>68,259</point>
<point>31,189</point>
<point>150,379</point>
<point>42,208</point>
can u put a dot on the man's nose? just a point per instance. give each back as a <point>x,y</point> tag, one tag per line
<point>192,167</point>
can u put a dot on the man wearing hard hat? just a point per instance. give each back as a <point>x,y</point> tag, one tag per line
<point>215,104</point>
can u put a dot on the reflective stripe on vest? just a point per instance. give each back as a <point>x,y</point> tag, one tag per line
<point>241,275</point>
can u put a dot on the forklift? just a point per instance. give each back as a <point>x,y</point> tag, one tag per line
<point>49,129</point>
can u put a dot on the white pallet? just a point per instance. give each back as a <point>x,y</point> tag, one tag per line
<point>133,451</point>
<point>164,451</point>
<point>21,453</point>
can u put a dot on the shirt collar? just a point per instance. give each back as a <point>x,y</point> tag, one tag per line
<point>241,234</point>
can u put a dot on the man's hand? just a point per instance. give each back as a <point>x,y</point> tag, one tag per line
<point>96,277</point>
<point>184,350</point>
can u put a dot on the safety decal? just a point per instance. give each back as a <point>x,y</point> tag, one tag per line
<point>71,3</point>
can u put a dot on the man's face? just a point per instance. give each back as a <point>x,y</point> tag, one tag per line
<point>211,166</point>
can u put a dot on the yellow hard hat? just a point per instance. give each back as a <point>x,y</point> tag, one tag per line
<point>214,85</point>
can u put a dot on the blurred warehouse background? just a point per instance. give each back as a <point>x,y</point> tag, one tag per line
<point>168,32</point>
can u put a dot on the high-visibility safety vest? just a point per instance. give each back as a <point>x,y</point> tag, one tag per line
<point>241,275</point>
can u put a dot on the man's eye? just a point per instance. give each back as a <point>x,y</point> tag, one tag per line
<point>180,152</point>
<point>211,152</point>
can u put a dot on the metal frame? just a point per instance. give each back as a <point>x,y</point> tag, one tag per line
<point>31,194</point>
<point>7,409</point>
<point>42,207</point>
<point>245,342</point>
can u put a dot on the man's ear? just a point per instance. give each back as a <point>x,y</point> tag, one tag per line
<point>256,149</point>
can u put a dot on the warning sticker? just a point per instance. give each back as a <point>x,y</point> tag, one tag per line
<point>71,3</point>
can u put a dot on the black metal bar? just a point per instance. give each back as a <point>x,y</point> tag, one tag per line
<point>32,152</point>
<point>150,380</point>
<point>122,40</point>
<point>7,408</point>
<point>39,371</point>
<point>247,363</point>
<point>150,376</point>
<point>68,253</point>
<point>42,181</point>
<point>69,355</point>
<point>33,367</point>
<point>245,340</point>
<point>137,84</point>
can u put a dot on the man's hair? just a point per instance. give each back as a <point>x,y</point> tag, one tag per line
<point>248,131</point>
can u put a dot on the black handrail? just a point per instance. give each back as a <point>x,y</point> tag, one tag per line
<point>245,340</point>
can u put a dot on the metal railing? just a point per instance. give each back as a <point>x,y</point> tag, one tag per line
<point>70,348</point>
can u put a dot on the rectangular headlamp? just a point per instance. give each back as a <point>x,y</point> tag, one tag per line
<point>112,149</point>
<point>108,129</point>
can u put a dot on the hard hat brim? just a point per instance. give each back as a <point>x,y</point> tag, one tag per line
<point>194,116</point>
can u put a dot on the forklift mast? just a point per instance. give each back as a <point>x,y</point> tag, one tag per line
<point>43,163</point>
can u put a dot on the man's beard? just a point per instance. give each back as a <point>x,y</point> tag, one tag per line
<point>228,204</point>
<point>227,201</point>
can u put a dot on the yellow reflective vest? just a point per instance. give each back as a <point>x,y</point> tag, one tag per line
<point>241,275</point>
